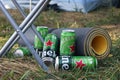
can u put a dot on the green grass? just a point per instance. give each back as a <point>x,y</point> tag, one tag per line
<point>108,69</point>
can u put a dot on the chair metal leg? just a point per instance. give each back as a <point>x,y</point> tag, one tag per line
<point>20,33</point>
<point>24,15</point>
<point>24,25</point>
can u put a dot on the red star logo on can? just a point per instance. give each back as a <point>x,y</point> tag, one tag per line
<point>49,43</point>
<point>72,48</point>
<point>80,64</point>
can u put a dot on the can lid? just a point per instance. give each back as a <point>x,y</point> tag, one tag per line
<point>18,53</point>
<point>68,30</point>
<point>57,63</point>
<point>39,28</point>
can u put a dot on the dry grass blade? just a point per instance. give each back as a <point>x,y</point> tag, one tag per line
<point>25,75</point>
<point>18,66</point>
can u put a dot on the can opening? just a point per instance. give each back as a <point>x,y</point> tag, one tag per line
<point>48,61</point>
<point>99,44</point>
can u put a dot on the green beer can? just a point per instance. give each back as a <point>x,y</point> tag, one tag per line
<point>22,51</point>
<point>67,43</point>
<point>75,62</point>
<point>50,49</point>
<point>43,30</point>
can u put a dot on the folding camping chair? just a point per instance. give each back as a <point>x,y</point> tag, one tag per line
<point>23,27</point>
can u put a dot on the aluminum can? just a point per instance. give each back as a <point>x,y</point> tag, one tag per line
<point>75,62</point>
<point>38,45</point>
<point>50,49</point>
<point>67,43</point>
<point>22,51</point>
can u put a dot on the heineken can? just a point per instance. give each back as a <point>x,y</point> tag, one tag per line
<point>75,62</point>
<point>50,49</point>
<point>43,30</point>
<point>67,43</point>
<point>22,51</point>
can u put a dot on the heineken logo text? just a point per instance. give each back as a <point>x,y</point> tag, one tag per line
<point>65,63</point>
<point>39,52</point>
<point>49,53</point>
